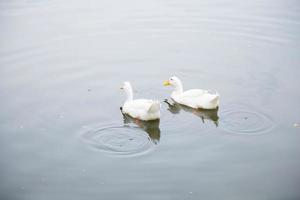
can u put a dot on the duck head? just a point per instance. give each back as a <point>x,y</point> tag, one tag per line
<point>175,82</point>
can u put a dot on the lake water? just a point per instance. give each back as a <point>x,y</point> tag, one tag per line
<point>62,135</point>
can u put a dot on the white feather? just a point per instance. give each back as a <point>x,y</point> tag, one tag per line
<point>143,109</point>
<point>195,98</point>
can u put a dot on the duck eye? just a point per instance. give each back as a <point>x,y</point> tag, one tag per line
<point>171,79</point>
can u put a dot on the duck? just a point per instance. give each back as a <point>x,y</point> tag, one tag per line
<point>194,98</point>
<point>140,109</point>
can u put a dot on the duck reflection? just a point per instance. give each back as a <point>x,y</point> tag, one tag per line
<point>211,115</point>
<point>150,127</point>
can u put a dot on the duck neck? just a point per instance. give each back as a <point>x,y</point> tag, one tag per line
<point>178,88</point>
<point>129,94</point>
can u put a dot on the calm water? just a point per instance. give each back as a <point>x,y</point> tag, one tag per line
<point>62,135</point>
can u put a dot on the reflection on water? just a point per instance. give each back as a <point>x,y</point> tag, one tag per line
<point>209,115</point>
<point>150,127</point>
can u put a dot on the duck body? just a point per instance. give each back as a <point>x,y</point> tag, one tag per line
<point>194,98</point>
<point>143,109</point>
<point>197,98</point>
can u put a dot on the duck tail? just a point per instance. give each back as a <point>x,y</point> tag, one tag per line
<point>215,100</point>
<point>155,107</point>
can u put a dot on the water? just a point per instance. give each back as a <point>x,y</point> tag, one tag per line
<point>63,135</point>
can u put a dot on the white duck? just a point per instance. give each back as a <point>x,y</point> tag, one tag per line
<point>195,98</point>
<point>143,109</point>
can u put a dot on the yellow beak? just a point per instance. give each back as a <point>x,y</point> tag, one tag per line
<point>166,83</point>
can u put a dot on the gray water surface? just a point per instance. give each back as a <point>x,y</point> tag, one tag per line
<point>62,135</point>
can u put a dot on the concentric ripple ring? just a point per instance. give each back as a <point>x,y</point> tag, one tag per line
<point>118,139</point>
<point>245,122</point>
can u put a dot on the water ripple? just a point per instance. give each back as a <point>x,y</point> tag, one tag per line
<point>118,139</point>
<point>242,121</point>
